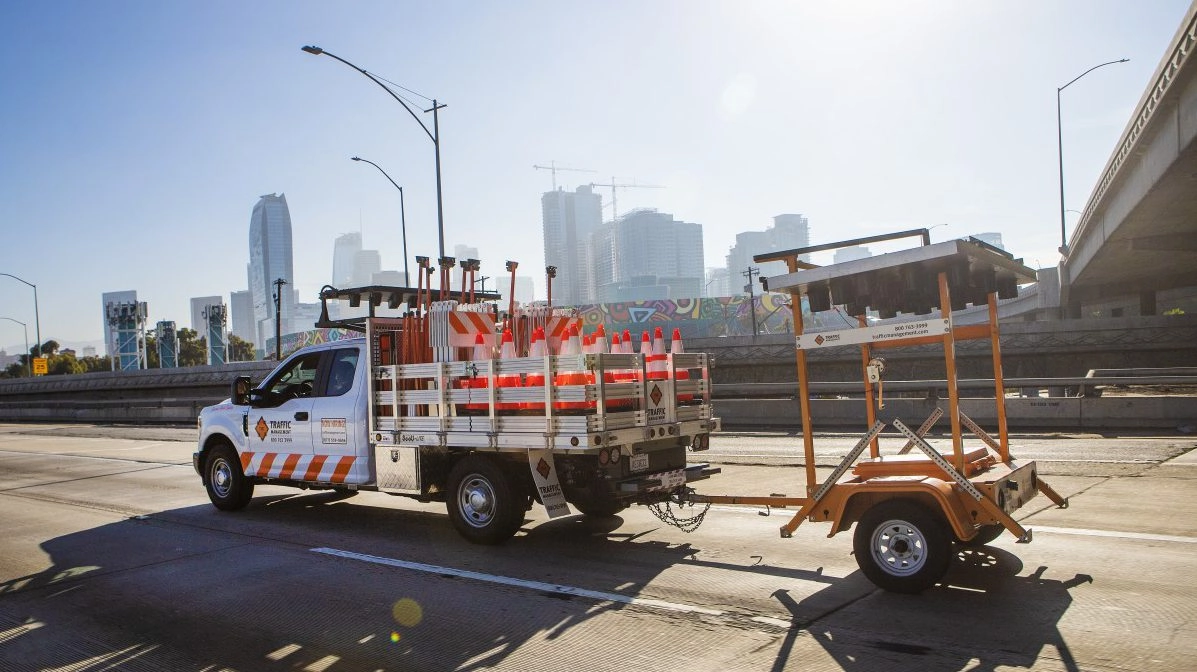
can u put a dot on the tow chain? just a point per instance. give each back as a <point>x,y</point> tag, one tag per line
<point>665,511</point>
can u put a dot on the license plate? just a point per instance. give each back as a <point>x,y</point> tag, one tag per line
<point>639,462</point>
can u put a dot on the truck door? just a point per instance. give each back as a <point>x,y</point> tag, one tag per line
<point>339,418</point>
<point>280,419</point>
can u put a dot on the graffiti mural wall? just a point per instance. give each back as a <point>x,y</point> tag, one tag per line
<point>698,318</point>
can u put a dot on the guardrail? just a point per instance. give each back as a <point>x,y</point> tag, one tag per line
<point>1087,386</point>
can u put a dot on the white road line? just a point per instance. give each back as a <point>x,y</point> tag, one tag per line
<point>520,583</point>
<point>1113,534</point>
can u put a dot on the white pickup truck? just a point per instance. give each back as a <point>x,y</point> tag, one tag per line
<point>354,415</point>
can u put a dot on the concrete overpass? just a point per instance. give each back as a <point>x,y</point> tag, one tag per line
<point>1137,236</point>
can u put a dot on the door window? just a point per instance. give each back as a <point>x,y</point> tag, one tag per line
<point>342,372</point>
<point>296,381</point>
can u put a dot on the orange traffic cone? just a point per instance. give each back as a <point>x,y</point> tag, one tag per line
<point>676,347</point>
<point>536,379</point>
<point>654,359</point>
<point>507,351</point>
<point>482,353</point>
<point>572,346</point>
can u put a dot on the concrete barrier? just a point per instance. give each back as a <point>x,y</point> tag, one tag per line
<point>1044,413</point>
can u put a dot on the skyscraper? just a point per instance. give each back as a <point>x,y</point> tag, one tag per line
<point>198,304</point>
<point>365,264</point>
<point>241,306</point>
<point>787,233</point>
<point>645,255</point>
<point>345,249</point>
<point>269,260</point>
<point>568,219</point>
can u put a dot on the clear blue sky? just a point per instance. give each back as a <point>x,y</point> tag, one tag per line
<point>136,136</point>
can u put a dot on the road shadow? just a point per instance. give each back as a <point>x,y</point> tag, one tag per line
<point>196,589</point>
<point>985,615</point>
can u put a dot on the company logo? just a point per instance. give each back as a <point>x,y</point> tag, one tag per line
<point>656,395</point>
<point>819,339</point>
<point>262,428</point>
<point>543,468</point>
<point>394,455</point>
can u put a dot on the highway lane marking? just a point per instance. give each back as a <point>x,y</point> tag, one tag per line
<point>538,586</point>
<point>1116,535</point>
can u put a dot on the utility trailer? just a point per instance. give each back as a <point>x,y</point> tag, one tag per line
<point>908,507</point>
<point>430,419</point>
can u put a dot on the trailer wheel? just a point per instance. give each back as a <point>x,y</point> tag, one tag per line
<point>901,546</point>
<point>483,503</point>
<point>227,486</point>
<point>985,534</point>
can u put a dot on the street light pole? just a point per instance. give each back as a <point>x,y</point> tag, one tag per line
<point>28,352</point>
<point>1060,149</point>
<point>37,322</point>
<point>434,135</point>
<point>402,215</point>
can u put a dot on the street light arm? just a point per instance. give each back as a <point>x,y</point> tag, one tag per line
<point>318,51</point>
<point>1122,60</point>
<point>384,173</point>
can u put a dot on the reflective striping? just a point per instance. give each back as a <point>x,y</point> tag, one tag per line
<point>313,472</point>
<point>342,469</point>
<point>289,466</point>
<point>293,466</point>
<point>551,588</point>
<point>267,462</point>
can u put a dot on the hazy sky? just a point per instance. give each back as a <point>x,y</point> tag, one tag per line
<point>135,137</point>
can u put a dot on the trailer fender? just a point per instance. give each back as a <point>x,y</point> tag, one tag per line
<point>853,500</point>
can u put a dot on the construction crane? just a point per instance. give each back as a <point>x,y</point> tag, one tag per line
<point>554,168</point>
<point>614,186</point>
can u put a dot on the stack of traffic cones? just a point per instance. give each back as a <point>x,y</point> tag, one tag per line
<point>572,346</point>
<point>676,348</point>
<point>536,379</point>
<point>482,354</point>
<point>655,364</point>
<point>507,351</point>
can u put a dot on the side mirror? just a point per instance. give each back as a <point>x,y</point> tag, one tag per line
<point>240,390</point>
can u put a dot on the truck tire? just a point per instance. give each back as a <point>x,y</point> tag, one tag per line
<point>484,502</point>
<point>227,486</point>
<point>985,534</point>
<point>901,546</point>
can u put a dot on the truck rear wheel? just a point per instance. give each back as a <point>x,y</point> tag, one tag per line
<point>901,546</point>
<point>484,503</point>
<point>227,486</point>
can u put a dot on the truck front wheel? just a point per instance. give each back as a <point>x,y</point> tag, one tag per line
<point>901,546</point>
<point>227,486</point>
<point>484,503</point>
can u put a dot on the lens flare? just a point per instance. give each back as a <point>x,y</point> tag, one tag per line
<point>407,612</point>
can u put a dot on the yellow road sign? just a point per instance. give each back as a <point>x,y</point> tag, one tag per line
<point>41,366</point>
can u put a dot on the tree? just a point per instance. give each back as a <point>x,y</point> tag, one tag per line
<point>192,351</point>
<point>240,350</point>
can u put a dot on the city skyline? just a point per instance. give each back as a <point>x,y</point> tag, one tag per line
<point>867,118</point>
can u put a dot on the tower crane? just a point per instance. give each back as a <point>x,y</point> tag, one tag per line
<point>614,186</point>
<point>554,169</point>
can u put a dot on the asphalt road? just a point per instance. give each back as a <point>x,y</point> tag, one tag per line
<point>111,558</point>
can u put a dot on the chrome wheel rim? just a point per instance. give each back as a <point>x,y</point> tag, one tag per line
<point>899,548</point>
<point>476,498</point>
<point>222,477</point>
